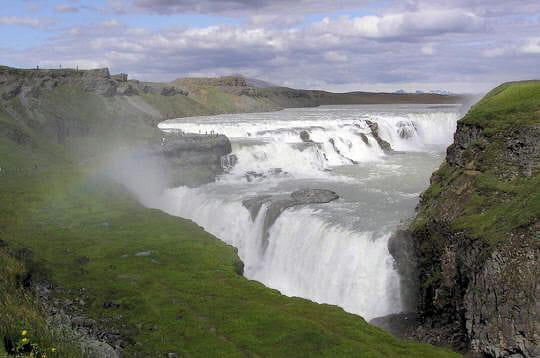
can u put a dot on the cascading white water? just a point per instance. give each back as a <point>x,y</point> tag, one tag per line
<point>330,253</point>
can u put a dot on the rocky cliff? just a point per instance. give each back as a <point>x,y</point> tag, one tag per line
<point>476,236</point>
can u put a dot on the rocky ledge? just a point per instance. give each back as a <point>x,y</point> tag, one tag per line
<point>279,203</point>
<point>190,159</point>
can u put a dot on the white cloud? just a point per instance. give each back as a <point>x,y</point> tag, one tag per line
<point>81,63</point>
<point>66,9</point>
<point>408,24</point>
<point>25,21</point>
<point>111,23</point>
<point>428,50</point>
<point>336,56</point>
<point>495,52</point>
<point>531,46</point>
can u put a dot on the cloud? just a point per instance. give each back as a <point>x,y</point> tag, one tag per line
<point>66,9</point>
<point>275,20</point>
<point>232,7</point>
<point>495,52</point>
<point>532,46</point>
<point>23,21</point>
<point>409,24</point>
<point>428,50</point>
<point>336,56</point>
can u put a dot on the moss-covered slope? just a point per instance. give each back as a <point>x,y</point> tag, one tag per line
<point>477,231</point>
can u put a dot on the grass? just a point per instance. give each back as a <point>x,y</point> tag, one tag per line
<point>499,207</point>
<point>510,105</point>
<point>186,297</point>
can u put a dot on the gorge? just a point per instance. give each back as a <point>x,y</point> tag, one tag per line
<point>309,198</point>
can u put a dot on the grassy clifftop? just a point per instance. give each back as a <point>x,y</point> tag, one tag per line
<point>508,106</point>
<point>493,164</point>
<point>82,261</point>
<point>477,231</point>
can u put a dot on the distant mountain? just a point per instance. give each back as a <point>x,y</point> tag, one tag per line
<point>440,92</point>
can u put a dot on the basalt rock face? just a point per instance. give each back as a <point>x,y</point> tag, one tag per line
<point>476,234</point>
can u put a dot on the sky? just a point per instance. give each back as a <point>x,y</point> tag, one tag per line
<point>337,45</point>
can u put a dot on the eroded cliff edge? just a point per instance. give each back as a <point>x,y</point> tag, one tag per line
<point>476,233</point>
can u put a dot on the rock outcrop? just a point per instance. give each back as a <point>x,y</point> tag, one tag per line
<point>279,203</point>
<point>406,130</point>
<point>36,82</point>
<point>476,235</point>
<point>374,127</point>
<point>304,135</point>
<point>191,159</point>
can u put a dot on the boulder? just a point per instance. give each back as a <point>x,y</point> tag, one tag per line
<point>190,159</point>
<point>313,196</point>
<point>374,127</point>
<point>406,130</point>
<point>304,135</point>
<point>364,139</point>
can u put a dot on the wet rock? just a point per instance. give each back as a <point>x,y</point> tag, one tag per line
<point>333,142</point>
<point>228,161</point>
<point>313,196</point>
<point>190,159</point>
<point>364,138</point>
<point>239,267</point>
<point>401,325</point>
<point>254,204</point>
<point>406,130</point>
<point>304,135</point>
<point>251,175</point>
<point>384,145</point>
<point>401,247</point>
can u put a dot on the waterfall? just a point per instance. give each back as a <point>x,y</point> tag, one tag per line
<point>332,253</point>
